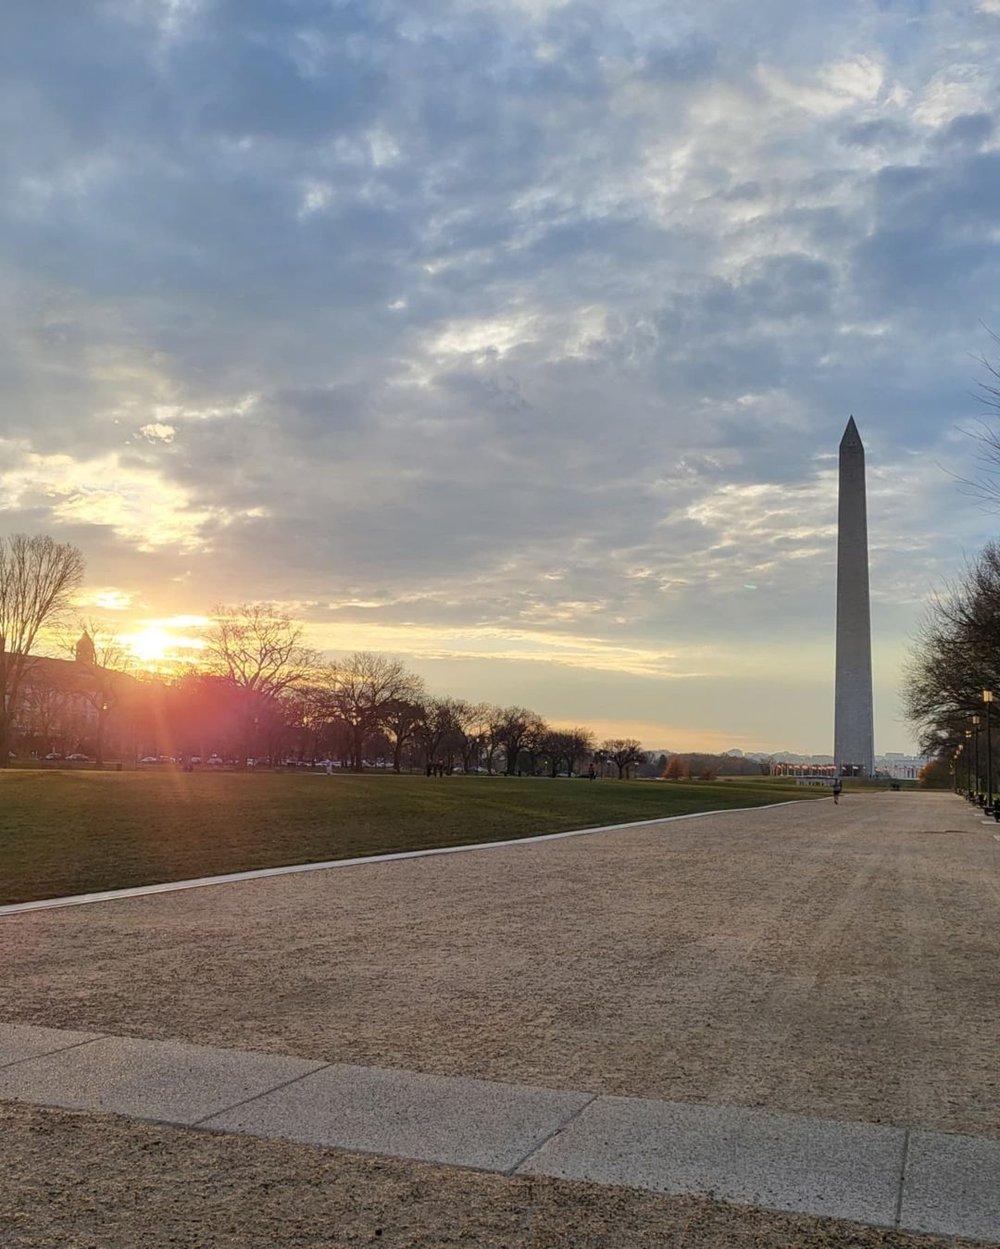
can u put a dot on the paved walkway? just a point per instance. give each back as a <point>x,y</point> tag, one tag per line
<point>794,1008</point>
<point>888,1176</point>
<point>828,962</point>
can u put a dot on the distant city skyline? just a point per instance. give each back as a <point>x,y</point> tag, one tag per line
<point>514,338</point>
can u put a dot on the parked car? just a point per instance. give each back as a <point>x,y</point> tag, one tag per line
<point>53,754</point>
<point>79,758</point>
<point>149,759</point>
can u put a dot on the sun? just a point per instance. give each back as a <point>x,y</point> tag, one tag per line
<point>152,644</point>
<point>163,645</point>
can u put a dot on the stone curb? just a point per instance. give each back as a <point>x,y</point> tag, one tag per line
<point>910,1179</point>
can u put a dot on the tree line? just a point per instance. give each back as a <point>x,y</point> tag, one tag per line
<point>953,667</point>
<point>953,662</point>
<point>258,693</point>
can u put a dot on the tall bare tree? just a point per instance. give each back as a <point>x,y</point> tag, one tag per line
<point>493,720</point>
<point>564,746</point>
<point>401,721</point>
<point>956,655</point>
<point>473,728</point>
<point>37,579</point>
<point>259,648</point>
<point>516,727</point>
<point>985,486</point>
<point>439,728</point>
<point>368,687</point>
<point>624,752</point>
<point>43,712</point>
<point>579,744</point>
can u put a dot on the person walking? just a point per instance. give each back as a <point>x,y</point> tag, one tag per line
<point>837,787</point>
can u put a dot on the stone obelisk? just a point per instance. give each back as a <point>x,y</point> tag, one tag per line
<point>853,733</point>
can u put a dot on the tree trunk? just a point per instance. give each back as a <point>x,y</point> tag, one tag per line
<point>99,740</point>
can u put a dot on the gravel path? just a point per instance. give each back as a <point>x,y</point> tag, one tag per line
<point>75,1181</point>
<point>838,962</point>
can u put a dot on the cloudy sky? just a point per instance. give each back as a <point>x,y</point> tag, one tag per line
<point>512,337</point>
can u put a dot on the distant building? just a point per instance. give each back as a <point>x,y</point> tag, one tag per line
<point>822,767</point>
<point>67,705</point>
<point>897,767</point>
<point>902,767</point>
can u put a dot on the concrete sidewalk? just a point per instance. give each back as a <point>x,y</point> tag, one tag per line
<point>888,1176</point>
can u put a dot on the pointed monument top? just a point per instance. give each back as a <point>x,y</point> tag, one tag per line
<point>851,440</point>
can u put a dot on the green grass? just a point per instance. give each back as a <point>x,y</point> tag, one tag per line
<point>65,833</point>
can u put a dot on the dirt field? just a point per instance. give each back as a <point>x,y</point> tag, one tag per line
<point>840,962</point>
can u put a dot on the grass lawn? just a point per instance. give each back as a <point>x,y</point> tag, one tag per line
<point>67,832</point>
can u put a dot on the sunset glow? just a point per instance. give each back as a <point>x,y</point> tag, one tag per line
<point>156,645</point>
<point>420,324</point>
<point>151,644</point>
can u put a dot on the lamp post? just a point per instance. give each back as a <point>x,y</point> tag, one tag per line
<point>987,699</point>
<point>968,766</point>
<point>976,721</point>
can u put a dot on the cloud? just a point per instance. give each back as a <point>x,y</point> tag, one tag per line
<point>536,323</point>
<point>157,431</point>
<point>135,503</point>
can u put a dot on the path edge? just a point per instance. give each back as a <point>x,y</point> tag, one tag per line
<point>261,873</point>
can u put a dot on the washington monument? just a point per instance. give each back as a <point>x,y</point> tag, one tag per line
<point>853,734</point>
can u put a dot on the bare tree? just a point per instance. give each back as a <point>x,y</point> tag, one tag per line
<point>956,655</point>
<point>564,747</point>
<point>37,579</point>
<point>438,726</point>
<point>493,721</point>
<point>624,752</point>
<point>312,709</point>
<point>258,647</point>
<point>473,729</point>
<point>42,710</point>
<point>368,685</point>
<point>516,727</point>
<point>401,723</point>
<point>533,744</point>
<point>985,486</point>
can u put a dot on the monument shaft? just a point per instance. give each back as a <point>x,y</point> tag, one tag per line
<point>853,732</point>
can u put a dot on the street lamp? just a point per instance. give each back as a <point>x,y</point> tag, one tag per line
<point>968,766</point>
<point>987,699</point>
<point>975,728</point>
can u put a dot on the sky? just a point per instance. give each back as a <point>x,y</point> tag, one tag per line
<point>514,338</point>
